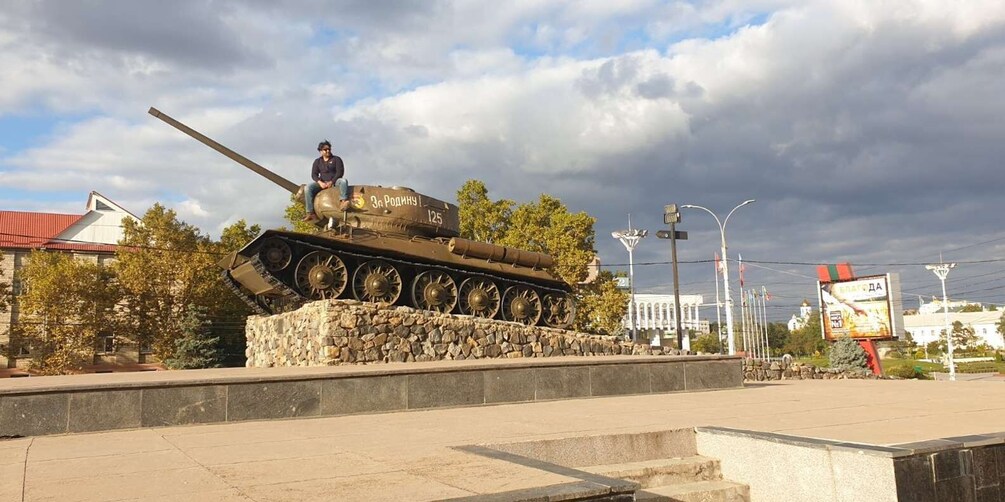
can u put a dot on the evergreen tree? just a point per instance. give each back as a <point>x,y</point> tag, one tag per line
<point>195,348</point>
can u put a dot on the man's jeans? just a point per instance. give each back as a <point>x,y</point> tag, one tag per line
<point>314,188</point>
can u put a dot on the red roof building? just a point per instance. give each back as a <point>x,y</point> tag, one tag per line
<point>93,234</point>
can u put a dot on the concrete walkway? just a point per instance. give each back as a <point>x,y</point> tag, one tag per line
<point>408,455</point>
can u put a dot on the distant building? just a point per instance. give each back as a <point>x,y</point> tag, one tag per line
<point>936,305</point>
<point>654,316</point>
<point>91,236</point>
<point>927,328</point>
<point>804,315</point>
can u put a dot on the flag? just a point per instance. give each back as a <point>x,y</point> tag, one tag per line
<point>767,296</point>
<point>741,269</point>
<point>718,265</point>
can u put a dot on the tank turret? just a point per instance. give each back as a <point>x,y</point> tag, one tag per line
<point>396,246</point>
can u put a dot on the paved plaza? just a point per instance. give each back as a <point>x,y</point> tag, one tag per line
<point>409,455</point>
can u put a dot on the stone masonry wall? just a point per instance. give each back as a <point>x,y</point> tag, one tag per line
<point>755,370</point>
<point>336,332</point>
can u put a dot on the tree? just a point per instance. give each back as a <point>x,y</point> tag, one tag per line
<point>846,353</point>
<point>806,340</point>
<point>1001,325</point>
<point>238,234</point>
<point>601,306</point>
<point>706,344</point>
<point>972,307</point>
<point>778,334</point>
<point>196,347</point>
<point>295,213</point>
<point>65,304</point>
<point>481,219</point>
<point>549,227</point>
<point>5,301</point>
<point>964,338</point>
<point>163,265</point>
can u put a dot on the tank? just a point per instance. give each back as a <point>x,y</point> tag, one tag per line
<point>394,246</point>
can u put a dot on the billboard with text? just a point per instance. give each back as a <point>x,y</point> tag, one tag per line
<point>860,308</point>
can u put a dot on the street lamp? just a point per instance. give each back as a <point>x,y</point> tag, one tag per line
<point>630,238</point>
<point>942,271</point>
<point>725,267</point>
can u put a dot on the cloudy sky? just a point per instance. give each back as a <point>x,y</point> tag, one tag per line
<point>868,131</point>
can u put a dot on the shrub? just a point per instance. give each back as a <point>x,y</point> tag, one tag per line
<point>894,354</point>
<point>906,372</point>
<point>919,354</point>
<point>977,367</point>
<point>847,354</point>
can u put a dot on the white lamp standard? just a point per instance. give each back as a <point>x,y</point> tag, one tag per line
<point>942,271</point>
<point>630,238</point>
<point>725,267</point>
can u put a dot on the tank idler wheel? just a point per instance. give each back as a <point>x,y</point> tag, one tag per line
<point>376,281</point>
<point>521,304</point>
<point>478,297</point>
<point>321,275</point>
<point>275,254</point>
<point>559,310</point>
<point>434,290</point>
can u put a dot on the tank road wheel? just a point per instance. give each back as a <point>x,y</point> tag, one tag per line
<point>521,304</point>
<point>479,297</point>
<point>321,275</point>
<point>559,310</point>
<point>434,290</point>
<point>275,254</point>
<point>376,281</point>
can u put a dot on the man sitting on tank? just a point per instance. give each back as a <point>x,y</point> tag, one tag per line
<point>327,170</point>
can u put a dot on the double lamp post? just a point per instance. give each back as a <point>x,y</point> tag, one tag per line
<point>631,237</point>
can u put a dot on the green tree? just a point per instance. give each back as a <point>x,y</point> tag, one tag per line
<point>806,340</point>
<point>846,353</point>
<point>64,305</point>
<point>964,338</point>
<point>778,334</point>
<point>601,306</point>
<point>238,234</point>
<point>295,213</point>
<point>1001,325</point>
<point>481,218</point>
<point>706,344</point>
<point>196,347</point>
<point>972,307</point>
<point>548,227</point>
<point>163,265</point>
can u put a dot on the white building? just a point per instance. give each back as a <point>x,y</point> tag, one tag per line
<point>935,306</point>
<point>926,328</point>
<point>654,315</point>
<point>804,315</point>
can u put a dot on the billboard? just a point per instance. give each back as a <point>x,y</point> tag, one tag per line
<point>866,307</point>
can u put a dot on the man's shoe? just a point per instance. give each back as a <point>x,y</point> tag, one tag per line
<point>311,217</point>
<point>345,205</point>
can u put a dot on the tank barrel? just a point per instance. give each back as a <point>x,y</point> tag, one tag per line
<point>232,155</point>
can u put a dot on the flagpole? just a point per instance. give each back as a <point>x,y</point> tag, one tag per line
<point>764,316</point>
<point>743,301</point>
<point>718,305</point>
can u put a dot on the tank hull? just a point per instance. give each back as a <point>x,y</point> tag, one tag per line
<point>281,270</point>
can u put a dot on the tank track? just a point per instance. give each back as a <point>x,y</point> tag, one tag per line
<point>246,298</point>
<point>290,298</point>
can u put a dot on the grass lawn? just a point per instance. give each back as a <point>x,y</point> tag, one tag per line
<point>889,364</point>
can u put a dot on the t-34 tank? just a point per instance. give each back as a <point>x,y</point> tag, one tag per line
<point>394,246</point>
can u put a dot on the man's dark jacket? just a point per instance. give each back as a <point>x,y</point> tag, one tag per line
<point>327,171</point>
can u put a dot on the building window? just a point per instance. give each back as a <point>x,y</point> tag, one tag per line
<point>145,347</point>
<point>106,343</point>
<point>22,351</point>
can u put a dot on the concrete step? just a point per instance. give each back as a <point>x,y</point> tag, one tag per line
<point>698,491</point>
<point>665,471</point>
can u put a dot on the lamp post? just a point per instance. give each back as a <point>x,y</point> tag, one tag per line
<point>725,267</point>
<point>630,238</point>
<point>942,271</point>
